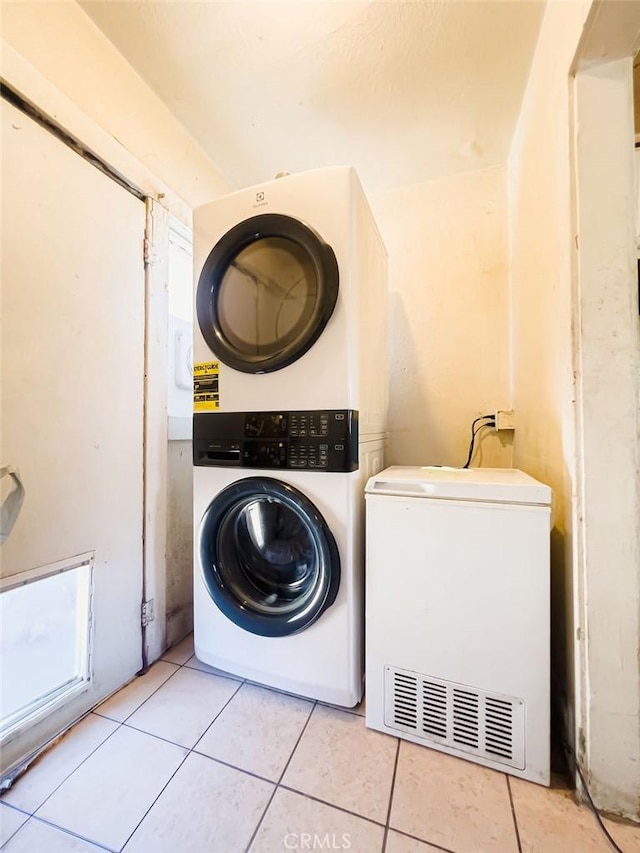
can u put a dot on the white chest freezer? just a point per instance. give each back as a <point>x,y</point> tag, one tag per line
<point>457,613</point>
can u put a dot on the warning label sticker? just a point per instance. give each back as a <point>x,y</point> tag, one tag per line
<point>206,376</point>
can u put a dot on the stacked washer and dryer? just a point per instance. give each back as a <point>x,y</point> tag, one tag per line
<point>290,405</point>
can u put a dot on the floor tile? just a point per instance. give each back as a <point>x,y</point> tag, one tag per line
<point>10,822</point>
<point>550,821</point>
<point>37,837</point>
<point>183,708</point>
<point>205,807</point>
<point>626,835</point>
<point>397,843</point>
<point>452,803</point>
<point>342,762</point>
<point>257,731</point>
<point>194,663</point>
<point>181,652</point>
<point>122,704</point>
<point>108,795</point>
<point>41,779</point>
<point>294,822</point>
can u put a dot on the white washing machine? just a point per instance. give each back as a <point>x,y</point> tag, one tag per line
<point>291,300</point>
<point>279,551</point>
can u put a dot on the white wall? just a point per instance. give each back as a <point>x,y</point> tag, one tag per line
<point>556,335</point>
<point>179,591</point>
<point>541,312</point>
<point>179,541</point>
<point>449,315</point>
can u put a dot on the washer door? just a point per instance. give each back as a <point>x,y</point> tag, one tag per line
<point>267,557</point>
<point>266,292</point>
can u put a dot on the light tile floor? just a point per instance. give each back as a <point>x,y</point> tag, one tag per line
<point>188,760</point>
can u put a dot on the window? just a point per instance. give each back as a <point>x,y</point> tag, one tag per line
<point>45,639</point>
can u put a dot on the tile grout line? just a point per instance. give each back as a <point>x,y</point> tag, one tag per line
<point>125,724</point>
<point>331,805</point>
<point>228,675</point>
<point>71,772</point>
<point>422,841</point>
<point>146,699</point>
<point>155,800</point>
<point>257,776</point>
<point>277,785</point>
<point>159,687</point>
<point>280,785</point>
<point>189,752</point>
<point>175,646</point>
<point>162,684</point>
<point>73,834</point>
<point>119,724</point>
<point>391,792</point>
<point>234,767</point>
<point>15,808</point>
<point>513,813</point>
<point>219,673</point>
<point>16,831</point>
<point>254,775</point>
<point>156,737</point>
<point>234,694</point>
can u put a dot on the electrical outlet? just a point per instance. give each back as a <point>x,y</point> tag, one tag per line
<point>505,419</point>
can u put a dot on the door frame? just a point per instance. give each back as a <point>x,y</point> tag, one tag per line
<point>606,362</point>
<point>155,256</point>
<point>154,527</point>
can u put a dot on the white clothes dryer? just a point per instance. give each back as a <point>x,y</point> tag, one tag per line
<point>291,300</point>
<point>279,552</point>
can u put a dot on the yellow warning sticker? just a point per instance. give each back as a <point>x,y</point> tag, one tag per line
<point>206,393</point>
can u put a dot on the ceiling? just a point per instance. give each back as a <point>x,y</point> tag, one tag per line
<point>406,91</point>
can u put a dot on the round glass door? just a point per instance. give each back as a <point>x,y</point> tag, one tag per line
<point>268,559</point>
<point>266,292</point>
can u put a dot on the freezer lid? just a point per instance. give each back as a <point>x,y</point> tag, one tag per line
<point>503,485</point>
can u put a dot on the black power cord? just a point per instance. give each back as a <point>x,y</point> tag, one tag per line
<point>491,421</point>
<point>574,761</point>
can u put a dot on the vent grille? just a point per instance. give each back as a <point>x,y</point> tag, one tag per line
<point>463,718</point>
<point>434,709</point>
<point>405,704</point>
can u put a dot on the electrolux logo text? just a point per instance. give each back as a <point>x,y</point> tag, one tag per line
<point>314,841</point>
<point>260,199</point>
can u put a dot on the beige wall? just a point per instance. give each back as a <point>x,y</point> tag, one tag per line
<point>448,282</point>
<point>541,314</point>
<point>179,541</point>
<point>55,55</point>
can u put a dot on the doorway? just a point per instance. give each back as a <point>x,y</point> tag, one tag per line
<point>73,336</point>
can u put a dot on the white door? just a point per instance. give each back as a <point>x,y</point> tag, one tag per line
<point>72,314</point>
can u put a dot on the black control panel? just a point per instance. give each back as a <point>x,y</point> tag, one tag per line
<point>320,440</point>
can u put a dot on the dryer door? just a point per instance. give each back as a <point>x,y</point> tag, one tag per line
<point>266,292</point>
<point>267,557</point>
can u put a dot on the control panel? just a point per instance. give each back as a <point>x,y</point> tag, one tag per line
<point>321,440</point>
